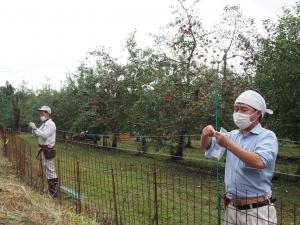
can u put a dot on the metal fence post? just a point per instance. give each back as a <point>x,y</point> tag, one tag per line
<point>41,175</point>
<point>294,211</point>
<point>59,179</point>
<point>155,193</point>
<point>114,195</point>
<point>30,165</point>
<point>78,206</point>
<point>209,201</point>
<point>5,146</point>
<point>23,149</point>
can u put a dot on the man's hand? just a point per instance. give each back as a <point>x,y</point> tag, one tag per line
<point>222,140</point>
<point>208,131</point>
<point>207,134</point>
<point>32,125</point>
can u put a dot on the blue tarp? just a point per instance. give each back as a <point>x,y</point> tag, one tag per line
<point>72,192</point>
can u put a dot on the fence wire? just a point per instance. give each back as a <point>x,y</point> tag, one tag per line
<point>122,192</point>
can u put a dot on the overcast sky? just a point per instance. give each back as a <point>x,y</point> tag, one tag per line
<point>42,39</point>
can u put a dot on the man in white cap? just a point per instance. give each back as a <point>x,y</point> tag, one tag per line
<point>250,162</point>
<point>46,134</point>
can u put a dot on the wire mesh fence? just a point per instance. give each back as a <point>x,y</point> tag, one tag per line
<point>117,192</point>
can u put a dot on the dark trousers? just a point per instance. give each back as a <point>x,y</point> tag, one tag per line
<point>53,187</point>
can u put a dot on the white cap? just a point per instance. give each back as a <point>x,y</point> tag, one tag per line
<point>255,100</point>
<point>45,108</point>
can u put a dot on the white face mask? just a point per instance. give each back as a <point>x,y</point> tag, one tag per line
<point>43,118</point>
<point>242,120</point>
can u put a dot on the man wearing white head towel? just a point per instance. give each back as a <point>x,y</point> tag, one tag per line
<point>250,162</point>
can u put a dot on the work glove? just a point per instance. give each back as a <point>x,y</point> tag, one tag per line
<point>32,125</point>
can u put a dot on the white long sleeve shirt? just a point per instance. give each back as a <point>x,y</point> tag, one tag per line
<point>46,133</point>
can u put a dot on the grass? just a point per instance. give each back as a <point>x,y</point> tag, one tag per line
<point>289,149</point>
<point>288,159</point>
<point>134,185</point>
<point>181,197</point>
<point>20,205</point>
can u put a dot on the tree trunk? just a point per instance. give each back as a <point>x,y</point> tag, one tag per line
<point>189,142</point>
<point>298,170</point>
<point>158,144</point>
<point>180,148</point>
<point>104,140</point>
<point>114,141</point>
<point>16,118</point>
<point>143,145</point>
<point>64,135</point>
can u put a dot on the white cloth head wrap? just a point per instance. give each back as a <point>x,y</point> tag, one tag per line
<point>255,100</point>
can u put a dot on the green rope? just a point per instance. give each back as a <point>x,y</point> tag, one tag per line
<point>216,104</point>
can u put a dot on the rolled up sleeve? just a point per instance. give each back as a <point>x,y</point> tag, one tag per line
<point>267,148</point>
